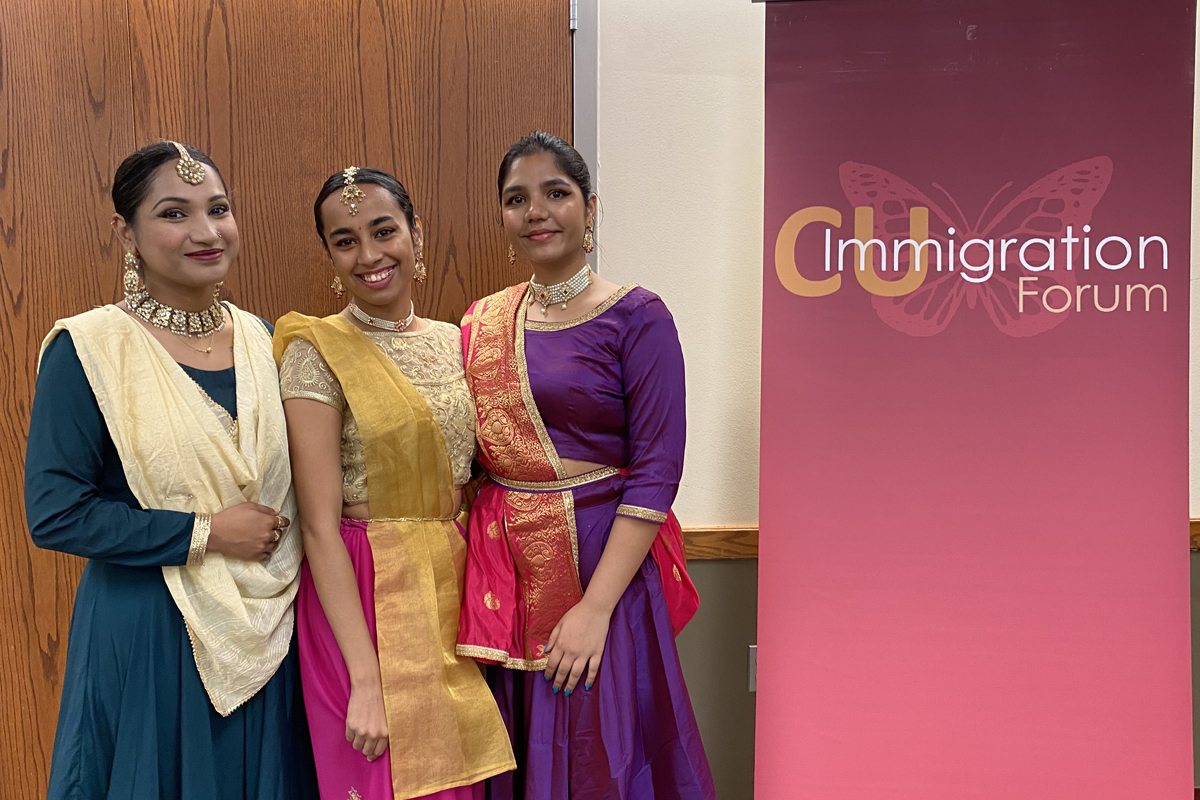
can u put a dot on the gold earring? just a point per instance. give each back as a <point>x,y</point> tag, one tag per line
<point>420,273</point>
<point>132,280</point>
<point>337,287</point>
<point>589,244</point>
<point>512,256</point>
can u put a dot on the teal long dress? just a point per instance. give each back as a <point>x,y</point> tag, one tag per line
<point>135,721</point>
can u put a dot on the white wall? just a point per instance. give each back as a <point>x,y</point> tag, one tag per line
<point>679,173</point>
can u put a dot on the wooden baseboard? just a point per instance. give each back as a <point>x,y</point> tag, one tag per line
<point>720,542</point>
<point>703,544</point>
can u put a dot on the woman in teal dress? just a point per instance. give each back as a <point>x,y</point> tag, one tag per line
<point>156,450</point>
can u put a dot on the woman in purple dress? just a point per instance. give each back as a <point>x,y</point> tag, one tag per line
<point>575,583</point>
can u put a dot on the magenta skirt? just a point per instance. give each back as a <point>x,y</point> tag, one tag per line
<point>342,771</point>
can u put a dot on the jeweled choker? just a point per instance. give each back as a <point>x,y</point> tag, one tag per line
<point>385,324</point>
<point>195,324</point>
<point>563,292</point>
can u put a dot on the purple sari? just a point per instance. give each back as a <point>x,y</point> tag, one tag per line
<point>609,389</point>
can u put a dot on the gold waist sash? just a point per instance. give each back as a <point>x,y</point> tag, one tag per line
<point>561,485</point>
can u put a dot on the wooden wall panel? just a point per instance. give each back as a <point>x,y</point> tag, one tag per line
<point>706,544</point>
<point>280,95</point>
<point>431,91</point>
<point>65,114</point>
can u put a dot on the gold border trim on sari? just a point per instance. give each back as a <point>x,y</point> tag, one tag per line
<point>531,408</point>
<point>555,486</point>
<point>637,512</point>
<point>605,305</point>
<point>569,502</point>
<point>501,658</point>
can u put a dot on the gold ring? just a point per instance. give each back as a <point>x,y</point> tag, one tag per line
<point>280,523</point>
<point>277,535</point>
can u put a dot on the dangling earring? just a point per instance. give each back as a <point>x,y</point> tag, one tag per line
<point>337,287</point>
<point>589,244</point>
<point>132,280</point>
<point>217,292</point>
<point>419,274</point>
<point>512,256</point>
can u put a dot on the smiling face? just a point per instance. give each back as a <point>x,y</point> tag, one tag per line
<point>373,251</point>
<point>545,213</point>
<point>184,234</point>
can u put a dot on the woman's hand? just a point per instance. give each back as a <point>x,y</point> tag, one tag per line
<point>366,722</point>
<point>577,642</point>
<point>247,531</point>
<point>577,645</point>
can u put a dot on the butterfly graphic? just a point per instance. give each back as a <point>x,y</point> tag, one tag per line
<point>1065,197</point>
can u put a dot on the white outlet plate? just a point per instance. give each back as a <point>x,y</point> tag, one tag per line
<point>752,668</point>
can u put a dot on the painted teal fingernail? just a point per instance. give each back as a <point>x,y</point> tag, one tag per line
<point>567,693</point>
<point>554,690</point>
<point>547,677</point>
<point>587,686</point>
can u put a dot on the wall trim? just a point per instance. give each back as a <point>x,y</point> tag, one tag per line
<point>585,66</point>
<point>722,542</point>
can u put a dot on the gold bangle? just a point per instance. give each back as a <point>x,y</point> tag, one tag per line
<point>200,533</point>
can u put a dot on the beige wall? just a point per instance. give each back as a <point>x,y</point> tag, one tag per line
<point>679,173</point>
<point>679,139</point>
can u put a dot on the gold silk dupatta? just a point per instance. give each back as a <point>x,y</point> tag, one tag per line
<point>178,455</point>
<point>444,727</point>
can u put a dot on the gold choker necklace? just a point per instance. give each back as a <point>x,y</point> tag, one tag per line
<point>196,324</point>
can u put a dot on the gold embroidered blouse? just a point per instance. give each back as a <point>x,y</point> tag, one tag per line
<point>431,359</point>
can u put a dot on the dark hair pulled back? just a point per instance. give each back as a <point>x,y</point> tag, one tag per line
<point>389,183</point>
<point>565,156</point>
<point>131,183</point>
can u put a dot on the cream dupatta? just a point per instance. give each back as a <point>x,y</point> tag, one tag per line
<point>179,455</point>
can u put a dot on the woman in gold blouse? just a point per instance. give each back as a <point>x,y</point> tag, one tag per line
<point>381,432</point>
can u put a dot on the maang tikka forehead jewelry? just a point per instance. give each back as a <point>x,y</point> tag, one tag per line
<point>188,168</point>
<point>351,194</point>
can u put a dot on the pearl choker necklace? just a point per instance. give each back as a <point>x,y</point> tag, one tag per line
<point>563,292</point>
<point>385,324</point>
<point>196,324</point>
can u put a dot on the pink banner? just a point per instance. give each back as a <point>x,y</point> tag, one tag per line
<point>974,566</point>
